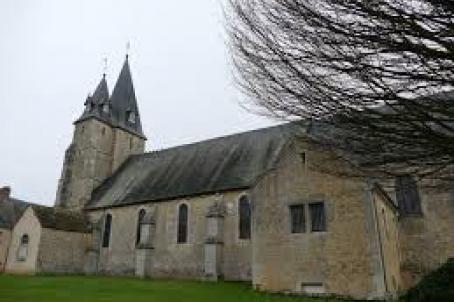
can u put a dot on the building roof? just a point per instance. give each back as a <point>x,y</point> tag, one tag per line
<point>94,104</point>
<point>11,210</point>
<point>216,165</point>
<point>122,104</point>
<point>61,219</point>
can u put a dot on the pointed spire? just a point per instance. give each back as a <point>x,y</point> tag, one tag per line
<point>94,102</point>
<point>101,94</point>
<point>124,102</point>
<point>119,110</point>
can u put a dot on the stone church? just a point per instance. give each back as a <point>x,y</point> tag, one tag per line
<point>253,206</point>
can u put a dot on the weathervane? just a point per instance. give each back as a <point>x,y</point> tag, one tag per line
<point>128,47</point>
<point>105,66</point>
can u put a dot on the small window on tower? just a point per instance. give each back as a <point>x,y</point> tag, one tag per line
<point>105,108</point>
<point>132,117</point>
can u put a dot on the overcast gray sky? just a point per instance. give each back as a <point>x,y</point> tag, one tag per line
<point>51,57</point>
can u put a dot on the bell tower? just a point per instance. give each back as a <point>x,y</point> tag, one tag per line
<point>107,133</point>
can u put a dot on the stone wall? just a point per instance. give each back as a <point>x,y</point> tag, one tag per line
<point>125,144</point>
<point>96,151</point>
<point>169,258</point>
<point>427,241</point>
<point>237,253</point>
<point>342,260</point>
<point>27,224</point>
<point>88,161</point>
<point>62,252</point>
<point>386,216</point>
<point>5,238</point>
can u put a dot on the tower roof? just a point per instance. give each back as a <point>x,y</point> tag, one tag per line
<point>101,93</point>
<point>120,109</point>
<point>124,102</point>
<point>94,103</point>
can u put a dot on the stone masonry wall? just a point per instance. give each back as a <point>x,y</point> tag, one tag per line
<point>62,252</point>
<point>125,144</point>
<point>96,151</point>
<point>88,161</point>
<point>27,224</point>
<point>337,261</point>
<point>386,217</point>
<point>5,238</point>
<point>427,241</point>
<point>169,258</point>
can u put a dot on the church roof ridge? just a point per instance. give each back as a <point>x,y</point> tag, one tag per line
<point>216,138</point>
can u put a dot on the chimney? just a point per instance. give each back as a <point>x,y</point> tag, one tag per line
<point>4,193</point>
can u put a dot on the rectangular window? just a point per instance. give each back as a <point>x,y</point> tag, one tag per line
<point>407,196</point>
<point>297,219</point>
<point>318,217</point>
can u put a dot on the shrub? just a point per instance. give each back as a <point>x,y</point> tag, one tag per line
<point>437,286</point>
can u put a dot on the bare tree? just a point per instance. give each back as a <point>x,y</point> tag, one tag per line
<point>374,77</point>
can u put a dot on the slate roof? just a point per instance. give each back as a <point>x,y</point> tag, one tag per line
<point>121,103</point>
<point>10,211</point>
<point>124,101</point>
<point>94,104</point>
<point>216,165</point>
<point>60,219</point>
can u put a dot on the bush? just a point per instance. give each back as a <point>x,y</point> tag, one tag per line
<point>437,286</point>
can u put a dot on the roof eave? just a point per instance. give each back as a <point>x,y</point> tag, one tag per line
<point>167,199</point>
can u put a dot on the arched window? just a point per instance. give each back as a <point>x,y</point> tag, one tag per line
<point>182,236</point>
<point>244,209</point>
<point>22,252</point>
<point>139,225</point>
<point>107,230</point>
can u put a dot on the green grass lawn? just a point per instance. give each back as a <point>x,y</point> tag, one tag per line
<point>88,289</point>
